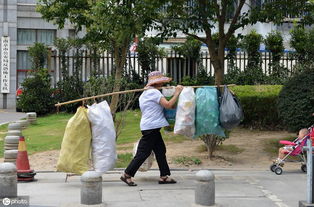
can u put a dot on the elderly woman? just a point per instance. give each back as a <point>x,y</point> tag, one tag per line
<point>152,103</point>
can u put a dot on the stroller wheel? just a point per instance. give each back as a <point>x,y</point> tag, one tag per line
<point>303,167</point>
<point>278,170</point>
<point>272,167</point>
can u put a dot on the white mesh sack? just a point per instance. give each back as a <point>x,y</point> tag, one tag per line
<point>103,137</point>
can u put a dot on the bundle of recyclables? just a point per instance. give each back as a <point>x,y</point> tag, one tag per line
<point>89,130</point>
<point>206,112</point>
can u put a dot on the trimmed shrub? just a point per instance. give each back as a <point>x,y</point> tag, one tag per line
<point>38,53</point>
<point>253,73</point>
<point>233,71</point>
<point>296,101</point>
<point>259,105</point>
<point>278,74</point>
<point>37,93</point>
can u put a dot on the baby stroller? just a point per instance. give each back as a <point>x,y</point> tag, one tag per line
<point>297,146</point>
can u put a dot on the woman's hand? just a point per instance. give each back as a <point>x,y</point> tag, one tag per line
<point>179,88</point>
<point>169,104</point>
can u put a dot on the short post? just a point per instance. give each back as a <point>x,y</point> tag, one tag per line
<point>8,180</point>
<point>14,133</point>
<point>31,117</point>
<point>91,189</point>
<point>310,180</point>
<point>205,188</point>
<point>14,126</point>
<point>24,123</point>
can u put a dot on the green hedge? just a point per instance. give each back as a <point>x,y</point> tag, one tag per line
<point>296,101</point>
<point>259,104</point>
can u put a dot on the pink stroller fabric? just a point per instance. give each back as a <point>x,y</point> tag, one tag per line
<point>285,142</point>
<point>298,148</point>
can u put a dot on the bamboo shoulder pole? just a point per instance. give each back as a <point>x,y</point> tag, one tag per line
<point>120,92</point>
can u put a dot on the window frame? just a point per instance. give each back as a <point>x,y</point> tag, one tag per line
<point>36,35</point>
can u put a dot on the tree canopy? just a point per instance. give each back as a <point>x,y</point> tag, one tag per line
<point>201,19</point>
<point>111,23</point>
<point>115,22</point>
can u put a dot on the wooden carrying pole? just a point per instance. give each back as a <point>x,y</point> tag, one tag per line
<point>121,92</point>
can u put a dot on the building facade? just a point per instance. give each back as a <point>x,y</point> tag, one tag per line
<point>20,27</point>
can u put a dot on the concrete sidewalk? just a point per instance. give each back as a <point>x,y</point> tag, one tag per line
<point>7,115</point>
<point>233,189</point>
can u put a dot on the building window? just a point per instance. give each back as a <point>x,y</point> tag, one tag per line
<point>26,36</point>
<point>23,66</point>
<point>72,33</point>
<point>46,36</point>
<point>30,36</point>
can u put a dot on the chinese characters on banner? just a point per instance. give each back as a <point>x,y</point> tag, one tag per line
<point>5,65</point>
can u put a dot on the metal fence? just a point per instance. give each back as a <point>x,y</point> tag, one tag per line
<point>174,64</point>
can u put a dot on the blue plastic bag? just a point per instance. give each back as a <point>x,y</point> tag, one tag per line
<point>207,112</point>
<point>170,114</point>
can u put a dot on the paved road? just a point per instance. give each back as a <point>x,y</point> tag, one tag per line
<point>233,189</point>
<point>7,116</point>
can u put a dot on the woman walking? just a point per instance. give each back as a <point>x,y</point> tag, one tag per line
<point>152,103</point>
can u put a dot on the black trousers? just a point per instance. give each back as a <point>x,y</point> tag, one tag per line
<point>151,140</point>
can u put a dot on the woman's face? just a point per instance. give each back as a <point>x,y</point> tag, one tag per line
<point>158,85</point>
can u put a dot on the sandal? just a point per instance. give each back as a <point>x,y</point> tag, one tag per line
<point>167,180</point>
<point>125,178</point>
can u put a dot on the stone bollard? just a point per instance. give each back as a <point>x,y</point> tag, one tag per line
<point>91,189</point>
<point>24,123</point>
<point>8,180</point>
<point>15,126</point>
<point>31,117</point>
<point>11,144</point>
<point>14,133</point>
<point>205,188</point>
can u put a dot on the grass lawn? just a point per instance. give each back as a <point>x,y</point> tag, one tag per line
<point>47,134</point>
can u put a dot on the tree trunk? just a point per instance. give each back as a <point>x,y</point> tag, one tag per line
<point>220,70</point>
<point>217,59</point>
<point>120,59</point>
<point>210,141</point>
<point>218,64</point>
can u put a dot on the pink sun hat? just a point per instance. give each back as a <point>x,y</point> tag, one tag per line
<point>157,77</point>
